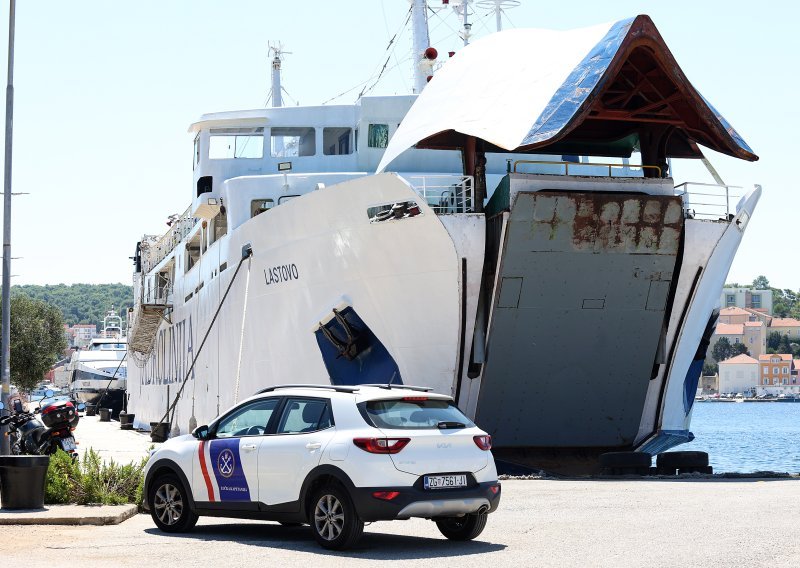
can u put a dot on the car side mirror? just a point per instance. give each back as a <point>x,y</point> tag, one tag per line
<point>201,432</point>
<point>81,407</point>
<point>2,406</point>
<point>49,393</point>
<point>18,405</point>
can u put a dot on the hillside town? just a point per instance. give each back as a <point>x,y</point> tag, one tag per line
<point>754,352</point>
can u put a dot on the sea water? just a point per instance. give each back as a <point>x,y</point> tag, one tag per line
<point>748,436</point>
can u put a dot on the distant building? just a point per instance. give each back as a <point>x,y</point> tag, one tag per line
<point>776,374</point>
<point>709,384</point>
<point>741,326</point>
<point>738,374</point>
<point>80,334</point>
<point>760,300</point>
<point>786,326</point>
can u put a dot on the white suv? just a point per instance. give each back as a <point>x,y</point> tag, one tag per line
<point>333,457</point>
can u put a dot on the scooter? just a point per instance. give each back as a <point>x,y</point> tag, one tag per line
<point>45,431</point>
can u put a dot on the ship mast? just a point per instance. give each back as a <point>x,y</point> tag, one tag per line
<point>498,7</point>
<point>422,55</point>
<point>276,90</point>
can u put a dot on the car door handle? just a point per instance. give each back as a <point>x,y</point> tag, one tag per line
<point>313,445</point>
<point>249,447</point>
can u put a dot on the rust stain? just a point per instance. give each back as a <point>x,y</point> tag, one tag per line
<point>643,224</point>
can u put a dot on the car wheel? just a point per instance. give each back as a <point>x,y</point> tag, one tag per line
<point>333,518</point>
<point>462,528</point>
<point>169,505</point>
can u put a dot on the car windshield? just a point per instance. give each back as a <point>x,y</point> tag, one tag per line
<point>414,413</point>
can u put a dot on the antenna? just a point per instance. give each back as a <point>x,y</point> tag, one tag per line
<point>498,7</point>
<point>277,58</point>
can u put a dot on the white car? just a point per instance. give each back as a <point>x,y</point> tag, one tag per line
<point>333,457</point>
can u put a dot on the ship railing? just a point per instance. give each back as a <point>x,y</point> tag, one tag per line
<point>585,168</point>
<point>708,200</point>
<point>159,247</point>
<point>445,194</point>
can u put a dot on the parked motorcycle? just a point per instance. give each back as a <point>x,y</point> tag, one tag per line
<point>44,431</point>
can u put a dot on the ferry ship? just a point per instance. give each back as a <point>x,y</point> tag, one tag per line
<point>505,223</point>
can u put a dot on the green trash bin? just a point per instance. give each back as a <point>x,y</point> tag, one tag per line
<point>22,481</point>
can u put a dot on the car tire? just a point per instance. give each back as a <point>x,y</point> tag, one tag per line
<point>333,518</point>
<point>462,528</point>
<point>169,505</point>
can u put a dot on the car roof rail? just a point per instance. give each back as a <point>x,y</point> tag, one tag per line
<point>390,386</point>
<point>337,388</point>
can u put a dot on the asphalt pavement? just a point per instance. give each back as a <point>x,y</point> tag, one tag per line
<point>541,523</point>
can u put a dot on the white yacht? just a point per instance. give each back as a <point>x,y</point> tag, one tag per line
<point>99,371</point>
<point>506,223</point>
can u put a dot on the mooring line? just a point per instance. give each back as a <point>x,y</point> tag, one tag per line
<point>247,252</point>
<point>241,335</point>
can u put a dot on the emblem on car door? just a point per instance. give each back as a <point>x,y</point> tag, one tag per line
<point>226,463</point>
<point>443,445</point>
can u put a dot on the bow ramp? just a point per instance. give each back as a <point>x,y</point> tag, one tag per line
<point>599,281</point>
<point>578,316</point>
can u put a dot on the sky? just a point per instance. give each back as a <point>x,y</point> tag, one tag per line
<point>105,91</point>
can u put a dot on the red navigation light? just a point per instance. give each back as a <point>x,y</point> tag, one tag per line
<point>483,442</point>
<point>381,445</point>
<point>429,78</point>
<point>451,53</point>
<point>431,53</point>
<point>385,495</point>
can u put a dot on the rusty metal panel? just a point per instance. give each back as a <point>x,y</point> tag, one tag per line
<point>569,363</point>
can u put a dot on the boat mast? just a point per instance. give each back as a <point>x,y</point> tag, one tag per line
<point>276,89</point>
<point>422,55</point>
<point>498,7</point>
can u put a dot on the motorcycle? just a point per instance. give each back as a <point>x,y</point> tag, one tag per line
<point>44,431</point>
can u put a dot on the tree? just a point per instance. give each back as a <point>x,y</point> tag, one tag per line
<point>37,340</point>
<point>761,283</point>
<point>773,340</point>
<point>739,349</point>
<point>721,350</point>
<point>710,368</point>
<point>784,346</point>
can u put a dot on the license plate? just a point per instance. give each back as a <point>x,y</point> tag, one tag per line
<point>444,481</point>
<point>68,444</point>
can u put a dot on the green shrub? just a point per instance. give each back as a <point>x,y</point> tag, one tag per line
<point>93,481</point>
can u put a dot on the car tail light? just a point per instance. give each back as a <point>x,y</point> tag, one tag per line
<point>495,489</point>
<point>385,495</point>
<point>381,445</point>
<point>483,442</point>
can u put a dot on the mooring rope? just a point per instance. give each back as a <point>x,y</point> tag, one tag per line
<point>114,376</point>
<point>245,255</point>
<point>241,335</point>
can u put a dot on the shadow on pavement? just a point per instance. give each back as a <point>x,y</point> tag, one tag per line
<point>373,545</point>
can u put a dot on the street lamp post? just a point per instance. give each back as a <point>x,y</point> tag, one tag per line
<point>5,351</point>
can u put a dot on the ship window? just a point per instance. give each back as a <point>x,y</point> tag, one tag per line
<point>258,206</point>
<point>285,198</point>
<point>196,151</point>
<point>287,142</point>
<point>378,136</point>
<point>336,141</point>
<point>236,143</point>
